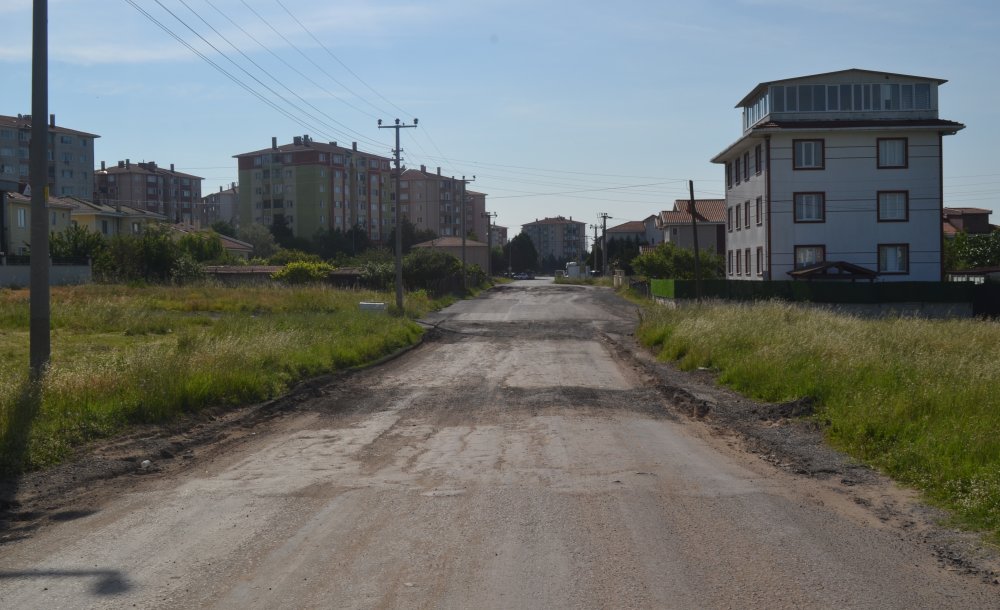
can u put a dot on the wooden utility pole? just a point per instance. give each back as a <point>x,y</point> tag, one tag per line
<point>39,305</point>
<point>465,276</point>
<point>399,225</point>
<point>694,230</point>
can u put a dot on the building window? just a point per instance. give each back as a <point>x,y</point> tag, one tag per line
<point>736,171</point>
<point>893,258</point>
<point>757,159</point>
<point>22,218</point>
<point>737,217</point>
<point>759,208</point>
<point>892,153</point>
<point>746,166</point>
<point>729,176</point>
<point>729,262</point>
<point>760,260</point>
<point>806,256</point>
<point>810,207</point>
<point>746,261</point>
<point>746,214</point>
<point>739,266</point>
<point>104,227</point>
<point>808,154</point>
<point>893,206</point>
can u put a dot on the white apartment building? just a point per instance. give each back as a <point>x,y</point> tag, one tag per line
<point>838,167</point>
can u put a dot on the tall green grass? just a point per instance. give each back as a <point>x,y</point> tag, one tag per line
<point>122,356</point>
<point>919,399</point>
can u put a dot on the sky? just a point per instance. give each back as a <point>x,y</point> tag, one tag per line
<point>571,108</point>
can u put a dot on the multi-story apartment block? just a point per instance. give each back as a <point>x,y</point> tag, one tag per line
<point>499,236</point>
<point>71,156</point>
<point>563,239</point>
<point>223,206</point>
<point>837,167</point>
<point>147,186</point>
<point>315,185</point>
<point>432,201</point>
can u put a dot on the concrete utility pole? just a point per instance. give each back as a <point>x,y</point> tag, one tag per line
<point>465,276</point>
<point>40,312</point>
<point>694,229</point>
<point>595,227</point>
<point>604,242</point>
<point>489,242</point>
<point>399,225</point>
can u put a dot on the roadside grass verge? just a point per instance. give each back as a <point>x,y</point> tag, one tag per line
<point>916,398</point>
<point>122,356</point>
<point>586,281</point>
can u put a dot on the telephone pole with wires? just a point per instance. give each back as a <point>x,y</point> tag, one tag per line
<point>694,232</point>
<point>604,242</point>
<point>465,276</point>
<point>398,215</point>
<point>489,242</point>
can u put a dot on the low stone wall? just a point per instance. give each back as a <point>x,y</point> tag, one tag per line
<point>19,276</point>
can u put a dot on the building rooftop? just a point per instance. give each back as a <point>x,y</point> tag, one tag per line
<point>558,220</point>
<point>633,226</point>
<point>23,121</point>
<point>761,87</point>
<point>708,210</point>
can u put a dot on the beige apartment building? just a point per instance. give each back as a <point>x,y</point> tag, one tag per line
<point>71,156</point>
<point>147,186</point>
<point>431,201</point>
<point>563,239</point>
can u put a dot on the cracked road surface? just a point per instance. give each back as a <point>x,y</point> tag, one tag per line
<point>514,460</point>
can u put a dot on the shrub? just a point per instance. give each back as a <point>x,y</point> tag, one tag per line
<point>425,267</point>
<point>303,272</point>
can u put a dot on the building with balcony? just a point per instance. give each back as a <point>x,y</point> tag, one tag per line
<point>71,156</point>
<point>431,202</point>
<point>840,167</point>
<point>558,239</point>
<point>316,186</point>
<point>223,206</point>
<point>147,186</point>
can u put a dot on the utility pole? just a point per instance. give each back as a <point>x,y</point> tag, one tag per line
<point>464,231</point>
<point>604,242</point>
<point>399,225</point>
<point>595,227</point>
<point>489,242</point>
<point>40,312</point>
<point>694,230</point>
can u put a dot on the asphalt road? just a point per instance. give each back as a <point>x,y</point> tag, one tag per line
<point>515,460</point>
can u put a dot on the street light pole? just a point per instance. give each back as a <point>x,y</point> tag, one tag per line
<point>399,225</point>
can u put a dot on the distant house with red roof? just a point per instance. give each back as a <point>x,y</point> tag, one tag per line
<point>710,216</point>
<point>970,220</point>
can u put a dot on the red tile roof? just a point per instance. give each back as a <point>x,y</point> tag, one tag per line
<point>709,210</point>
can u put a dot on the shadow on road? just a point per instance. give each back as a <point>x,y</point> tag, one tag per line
<point>108,582</point>
<point>15,435</point>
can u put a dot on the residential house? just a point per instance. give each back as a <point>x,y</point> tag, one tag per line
<point>634,231</point>
<point>150,187</point>
<point>654,235</point>
<point>559,238</point>
<point>710,219</point>
<point>15,220</point>
<point>431,202</point>
<point>476,252</point>
<point>970,220</point>
<point>233,246</point>
<point>71,156</point>
<point>110,220</point>
<point>839,167</point>
<point>316,186</point>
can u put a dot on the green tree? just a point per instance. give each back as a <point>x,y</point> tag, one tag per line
<point>966,251</point>
<point>411,236</point>
<point>202,246</point>
<point>668,260</point>
<point>429,268</point>
<point>521,253</point>
<point>260,238</point>
<point>224,228</point>
<point>76,241</point>
<point>150,257</point>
